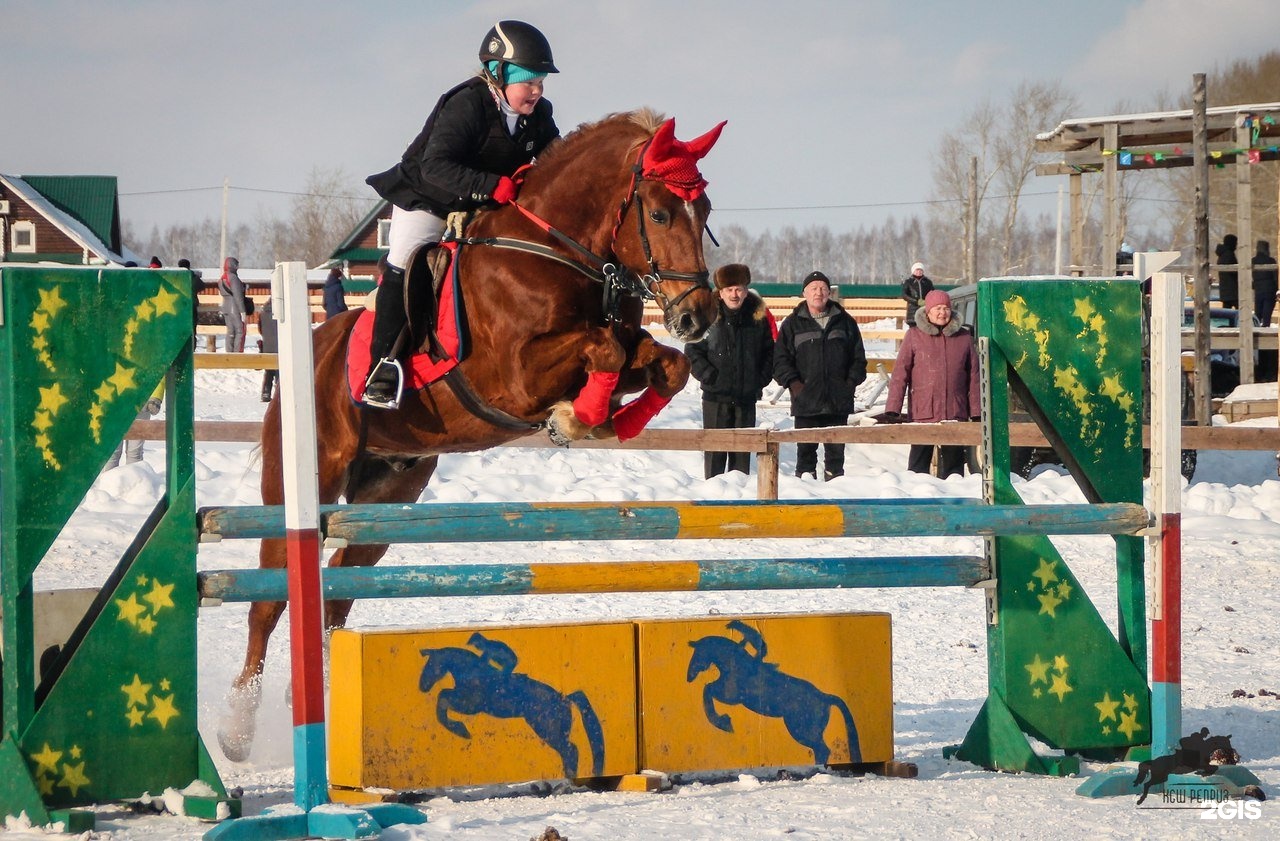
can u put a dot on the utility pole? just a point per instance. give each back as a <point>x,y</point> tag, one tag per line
<point>222,249</point>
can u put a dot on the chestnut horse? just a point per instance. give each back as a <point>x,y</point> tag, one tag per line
<point>618,202</point>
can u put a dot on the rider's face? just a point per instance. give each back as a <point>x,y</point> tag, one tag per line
<point>523,96</point>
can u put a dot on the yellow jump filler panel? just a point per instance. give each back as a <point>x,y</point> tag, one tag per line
<point>420,709</point>
<point>725,693</point>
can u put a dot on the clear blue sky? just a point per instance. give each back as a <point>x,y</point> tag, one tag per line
<point>829,103</point>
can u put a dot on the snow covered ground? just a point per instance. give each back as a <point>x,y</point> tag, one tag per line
<point>1231,529</point>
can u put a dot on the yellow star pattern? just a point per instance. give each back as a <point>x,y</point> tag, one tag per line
<point>1107,709</point>
<point>1015,310</point>
<point>1129,724</point>
<point>51,301</point>
<point>1111,387</point>
<point>160,596</point>
<point>1060,687</point>
<point>135,717</point>
<point>1039,670</point>
<point>1045,572</point>
<point>39,321</point>
<point>163,710</point>
<point>1084,310</point>
<point>137,691</point>
<point>164,684</point>
<point>165,302</point>
<point>146,624</point>
<point>1064,591</point>
<point>122,379</point>
<point>130,610</point>
<point>52,399</point>
<point>1130,702</point>
<point>47,759</point>
<point>46,785</point>
<point>1060,664</point>
<point>73,778</point>
<point>1049,604</point>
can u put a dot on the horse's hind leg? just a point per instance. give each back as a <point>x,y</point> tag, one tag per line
<point>381,480</point>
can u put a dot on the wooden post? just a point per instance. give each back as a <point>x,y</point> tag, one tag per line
<point>1075,186</point>
<point>1111,198</point>
<point>1244,225</point>
<point>767,471</point>
<point>1200,298</point>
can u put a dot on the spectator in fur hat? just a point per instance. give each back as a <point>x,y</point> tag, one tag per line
<point>733,362</point>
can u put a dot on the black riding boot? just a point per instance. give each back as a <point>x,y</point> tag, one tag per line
<point>383,386</point>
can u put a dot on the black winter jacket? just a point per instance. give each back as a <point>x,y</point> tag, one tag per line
<point>734,361</point>
<point>913,291</point>
<point>455,161</point>
<point>831,362</point>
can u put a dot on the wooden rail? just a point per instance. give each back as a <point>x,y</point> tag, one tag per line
<point>766,443</point>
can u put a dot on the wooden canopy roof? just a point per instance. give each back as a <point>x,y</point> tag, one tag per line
<point>1161,139</point>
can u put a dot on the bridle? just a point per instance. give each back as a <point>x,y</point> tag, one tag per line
<point>618,280</point>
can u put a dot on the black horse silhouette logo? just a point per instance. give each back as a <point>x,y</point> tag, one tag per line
<point>1198,753</point>
<point>485,681</point>
<point>746,680</point>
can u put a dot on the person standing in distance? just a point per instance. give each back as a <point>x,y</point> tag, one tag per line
<point>914,288</point>
<point>820,359</point>
<point>938,365</point>
<point>733,363</point>
<point>479,133</point>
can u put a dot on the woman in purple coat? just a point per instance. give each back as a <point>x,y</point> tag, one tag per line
<point>939,365</point>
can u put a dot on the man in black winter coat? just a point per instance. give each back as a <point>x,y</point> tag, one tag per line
<point>820,359</point>
<point>733,363</point>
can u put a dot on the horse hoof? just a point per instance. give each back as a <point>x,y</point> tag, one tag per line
<point>563,426</point>
<point>239,723</point>
<point>603,432</point>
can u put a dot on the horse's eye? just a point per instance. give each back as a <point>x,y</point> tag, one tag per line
<point>659,217</point>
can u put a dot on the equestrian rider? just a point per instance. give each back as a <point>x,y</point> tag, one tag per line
<point>479,133</point>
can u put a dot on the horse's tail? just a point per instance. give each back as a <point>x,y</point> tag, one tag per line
<point>855,746</point>
<point>595,733</point>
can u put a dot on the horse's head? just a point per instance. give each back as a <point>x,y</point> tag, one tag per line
<point>670,205</point>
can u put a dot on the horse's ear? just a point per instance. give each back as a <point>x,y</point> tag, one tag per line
<point>663,139</point>
<point>700,146</point>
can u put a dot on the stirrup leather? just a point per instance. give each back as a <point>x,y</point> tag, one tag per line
<point>388,372</point>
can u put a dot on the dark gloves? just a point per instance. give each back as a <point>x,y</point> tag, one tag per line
<point>153,406</point>
<point>505,192</point>
<point>976,419</point>
<point>795,387</point>
<point>889,417</point>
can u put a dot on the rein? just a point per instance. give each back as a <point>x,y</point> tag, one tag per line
<point>618,280</point>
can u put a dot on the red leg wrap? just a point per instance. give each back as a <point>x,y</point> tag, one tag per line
<point>632,418</point>
<point>591,406</point>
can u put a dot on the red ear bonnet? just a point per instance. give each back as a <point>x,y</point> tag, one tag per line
<point>675,162</point>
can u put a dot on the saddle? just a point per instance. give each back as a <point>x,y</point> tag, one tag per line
<point>437,322</point>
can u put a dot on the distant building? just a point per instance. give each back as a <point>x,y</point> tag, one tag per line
<point>72,219</point>
<point>358,254</point>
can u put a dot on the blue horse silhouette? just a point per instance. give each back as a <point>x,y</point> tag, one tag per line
<point>486,682</point>
<point>745,679</point>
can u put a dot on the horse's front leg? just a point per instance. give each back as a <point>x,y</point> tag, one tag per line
<point>718,719</point>
<point>662,372</point>
<point>603,358</point>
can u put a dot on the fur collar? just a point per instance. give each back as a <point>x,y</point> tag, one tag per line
<point>930,329</point>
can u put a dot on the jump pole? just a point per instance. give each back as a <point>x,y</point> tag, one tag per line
<point>1166,502</point>
<point>289,300</point>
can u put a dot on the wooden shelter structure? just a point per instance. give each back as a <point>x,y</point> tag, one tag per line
<point>1239,135</point>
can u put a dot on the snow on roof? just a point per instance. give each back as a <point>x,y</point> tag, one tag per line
<point>69,225</point>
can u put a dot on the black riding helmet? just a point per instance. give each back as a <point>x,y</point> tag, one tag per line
<point>516,42</point>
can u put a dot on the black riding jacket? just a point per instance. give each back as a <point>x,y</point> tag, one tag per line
<point>464,147</point>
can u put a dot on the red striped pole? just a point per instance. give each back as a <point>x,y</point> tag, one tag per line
<point>302,533</point>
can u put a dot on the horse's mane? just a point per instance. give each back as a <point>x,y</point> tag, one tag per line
<point>646,120</point>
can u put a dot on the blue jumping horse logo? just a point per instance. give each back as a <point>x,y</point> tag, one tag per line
<point>746,680</point>
<point>486,682</point>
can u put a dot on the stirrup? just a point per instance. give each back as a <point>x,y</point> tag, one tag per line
<point>385,384</point>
